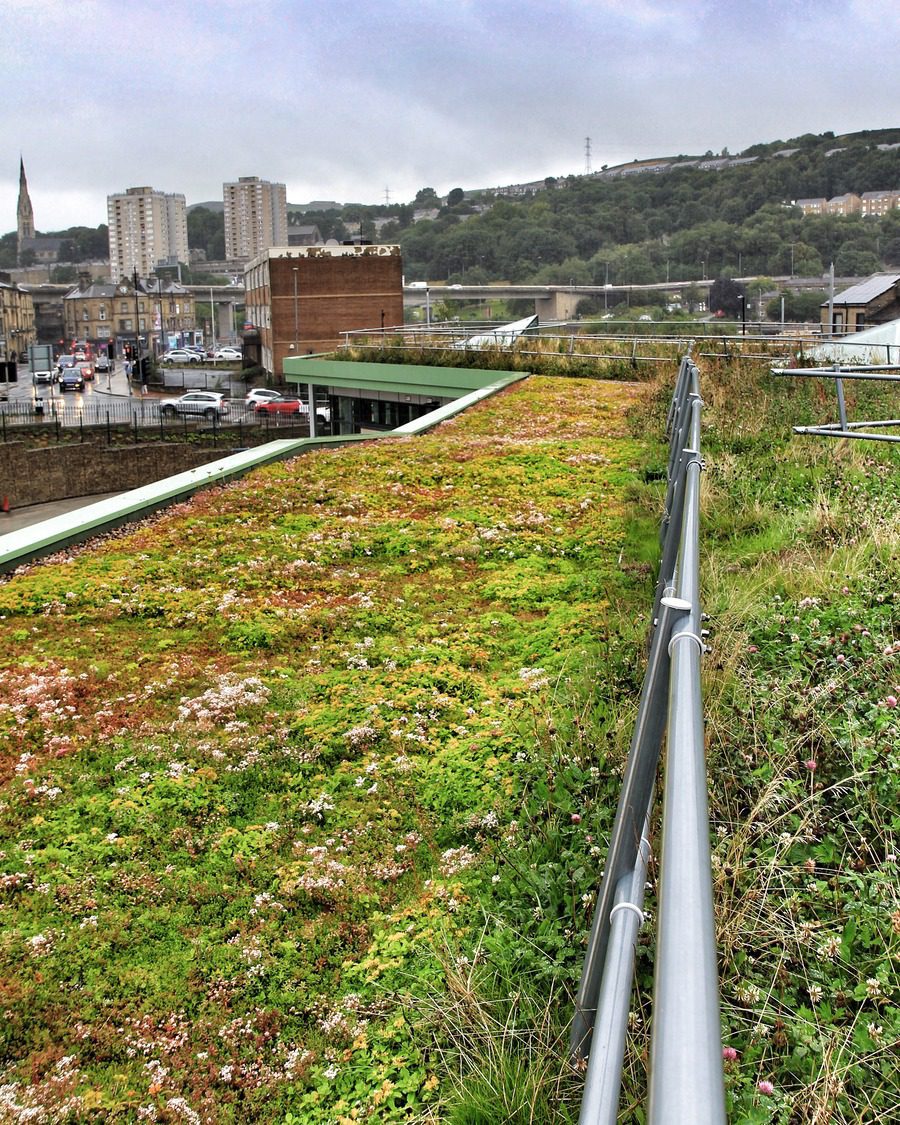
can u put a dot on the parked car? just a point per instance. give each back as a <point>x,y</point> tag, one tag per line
<point>43,378</point>
<point>261,394</point>
<point>102,363</point>
<point>207,404</point>
<point>87,371</point>
<point>282,406</point>
<point>179,355</point>
<point>227,353</point>
<point>71,379</point>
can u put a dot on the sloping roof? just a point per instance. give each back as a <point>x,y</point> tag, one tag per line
<point>878,344</point>
<point>95,289</point>
<point>867,290</point>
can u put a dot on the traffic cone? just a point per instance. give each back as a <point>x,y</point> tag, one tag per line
<point>5,506</point>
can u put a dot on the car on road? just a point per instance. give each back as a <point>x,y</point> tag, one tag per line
<point>71,379</point>
<point>43,378</point>
<point>102,363</point>
<point>261,394</point>
<point>227,353</point>
<point>179,355</point>
<point>205,404</point>
<point>87,371</point>
<point>281,406</point>
<point>65,361</point>
<point>80,354</point>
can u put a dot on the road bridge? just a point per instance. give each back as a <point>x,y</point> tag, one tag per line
<point>559,302</point>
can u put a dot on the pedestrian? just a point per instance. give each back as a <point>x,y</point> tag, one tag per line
<point>127,368</point>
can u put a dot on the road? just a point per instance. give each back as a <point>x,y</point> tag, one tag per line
<point>109,397</point>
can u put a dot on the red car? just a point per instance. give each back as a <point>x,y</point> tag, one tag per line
<point>282,406</point>
<point>87,371</point>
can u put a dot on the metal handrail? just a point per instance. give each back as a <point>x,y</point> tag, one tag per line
<point>686,1080</point>
<point>881,372</point>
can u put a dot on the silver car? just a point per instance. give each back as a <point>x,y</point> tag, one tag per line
<point>205,404</point>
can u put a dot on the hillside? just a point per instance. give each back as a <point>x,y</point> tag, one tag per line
<point>685,219</point>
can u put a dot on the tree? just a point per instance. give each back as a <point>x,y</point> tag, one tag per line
<point>427,197</point>
<point>206,231</point>
<point>8,246</point>
<point>803,306</point>
<point>455,196</point>
<point>727,295</point>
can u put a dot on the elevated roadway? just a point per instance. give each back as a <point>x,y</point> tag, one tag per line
<point>559,302</point>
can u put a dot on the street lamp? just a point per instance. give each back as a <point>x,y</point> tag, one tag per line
<point>296,318</point>
<point>743,301</point>
<point>162,320</point>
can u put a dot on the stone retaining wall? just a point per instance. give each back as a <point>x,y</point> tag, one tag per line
<point>39,475</point>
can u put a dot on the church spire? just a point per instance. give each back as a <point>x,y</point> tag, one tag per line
<point>24,212</point>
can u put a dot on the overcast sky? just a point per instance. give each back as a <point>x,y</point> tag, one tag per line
<point>349,100</point>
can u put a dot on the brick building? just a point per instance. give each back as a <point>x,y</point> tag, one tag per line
<point>299,299</point>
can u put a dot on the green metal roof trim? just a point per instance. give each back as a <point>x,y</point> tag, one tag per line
<point>401,378</point>
<point>442,413</point>
<point>18,547</point>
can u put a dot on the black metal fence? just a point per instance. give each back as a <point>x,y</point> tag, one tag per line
<point>61,419</point>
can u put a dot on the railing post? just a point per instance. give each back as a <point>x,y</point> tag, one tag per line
<point>842,405</point>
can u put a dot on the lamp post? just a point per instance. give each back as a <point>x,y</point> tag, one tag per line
<point>427,307</point>
<point>136,359</point>
<point>743,301</point>
<point>296,317</point>
<point>162,320</point>
<point>212,319</point>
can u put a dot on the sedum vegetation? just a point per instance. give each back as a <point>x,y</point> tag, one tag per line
<point>307,782</point>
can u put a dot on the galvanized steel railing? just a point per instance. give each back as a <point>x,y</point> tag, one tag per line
<point>686,1079</point>
<point>843,428</point>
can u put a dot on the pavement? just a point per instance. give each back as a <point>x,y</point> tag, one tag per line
<point>36,513</point>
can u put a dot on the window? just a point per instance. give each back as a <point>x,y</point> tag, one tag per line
<point>123,307</point>
<point>85,314</point>
<point>101,313</point>
<point>126,326</point>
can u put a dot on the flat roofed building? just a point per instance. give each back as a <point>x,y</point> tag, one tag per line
<point>300,299</point>
<point>255,217</point>
<point>146,228</point>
